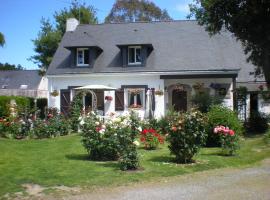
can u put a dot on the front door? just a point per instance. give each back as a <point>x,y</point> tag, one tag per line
<point>253,103</point>
<point>179,100</point>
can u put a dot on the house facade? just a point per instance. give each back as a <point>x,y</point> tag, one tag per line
<point>166,62</point>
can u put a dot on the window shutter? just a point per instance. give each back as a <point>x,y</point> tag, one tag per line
<point>119,100</point>
<point>65,101</point>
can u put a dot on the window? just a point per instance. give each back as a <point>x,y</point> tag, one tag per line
<point>82,57</point>
<point>134,55</point>
<point>119,100</point>
<point>135,98</point>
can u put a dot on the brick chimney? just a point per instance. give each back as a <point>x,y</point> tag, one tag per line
<point>71,24</point>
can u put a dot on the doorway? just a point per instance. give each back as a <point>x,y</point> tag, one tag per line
<point>179,100</point>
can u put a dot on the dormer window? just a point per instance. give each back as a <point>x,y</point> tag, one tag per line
<point>134,55</point>
<point>82,57</point>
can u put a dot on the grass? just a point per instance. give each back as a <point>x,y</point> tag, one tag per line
<point>63,161</point>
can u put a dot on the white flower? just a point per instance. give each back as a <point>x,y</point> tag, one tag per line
<point>93,113</point>
<point>97,123</point>
<point>101,131</point>
<point>136,143</point>
<point>115,134</point>
<point>140,128</point>
<point>103,126</point>
<point>82,122</point>
<point>80,118</point>
<point>117,120</point>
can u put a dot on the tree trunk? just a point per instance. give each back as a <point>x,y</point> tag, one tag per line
<point>266,67</point>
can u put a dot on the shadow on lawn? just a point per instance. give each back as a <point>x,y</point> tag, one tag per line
<point>162,159</point>
<point>83,157</point>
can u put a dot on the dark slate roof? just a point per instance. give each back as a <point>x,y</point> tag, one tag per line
<point>13,79</point>
<point>179,46</point>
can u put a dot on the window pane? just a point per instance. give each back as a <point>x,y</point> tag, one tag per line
<point>131,55</point>
<point>135,98</point>
<point>138,55</point>
<point>80,57</point>
<point>86,56</point>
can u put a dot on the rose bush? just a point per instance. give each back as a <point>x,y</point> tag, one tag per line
<point>112,140</point>
<point>151,139</point>
<point>187,135</point>
<point>228,138</point>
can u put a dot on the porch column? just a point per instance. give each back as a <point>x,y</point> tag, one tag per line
<point>234,94</point>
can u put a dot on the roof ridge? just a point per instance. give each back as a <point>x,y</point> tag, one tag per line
<point>141,22</point>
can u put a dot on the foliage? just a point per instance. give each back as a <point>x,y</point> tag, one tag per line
<point>22,104</point>
<point>186,136</point>
<point>150,138</point>
<point>111,140</point>
<point>99,140</point>
<point>257,123</point>
<point>7,66</point>
<point>50,36</point>
<point>266,138</point>
<point>221,115</point>
<point>55,125</point>
<point>203,101</point>
<point>248,20</point>
<point>2,40</point>
<point>75,110</point>
<point>136,10</point>
<point>241,93</point>
<point>229,140</point>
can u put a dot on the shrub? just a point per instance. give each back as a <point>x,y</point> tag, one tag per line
<point>99,140</point>
<point>151,139</point>
<point>229,140</point>
<point>112,140</point>
<point>203,101</point>
<point>55,125</point>
<point>75,111</point>
<point>257,122</point>
<point>186,136</point>
<point>221,115</point>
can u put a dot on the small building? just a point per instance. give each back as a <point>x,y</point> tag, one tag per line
<point>171,59</point>
<point>23,83</point>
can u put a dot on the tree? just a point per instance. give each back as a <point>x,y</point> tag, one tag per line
<point>7,66</point>
<point>50,36</point>
<point>248,20</point>
<point>2,40</point>
<point>136,10</point>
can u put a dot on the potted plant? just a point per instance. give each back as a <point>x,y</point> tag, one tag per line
<point>108,98</point>
<point>54,93</point>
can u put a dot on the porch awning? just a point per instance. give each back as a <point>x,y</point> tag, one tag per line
<point>95,87</point>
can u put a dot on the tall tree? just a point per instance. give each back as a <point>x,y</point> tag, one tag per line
<point>2,40</point>
<point>50,36</point>
<point>136,10</point>
<point>249,20</point>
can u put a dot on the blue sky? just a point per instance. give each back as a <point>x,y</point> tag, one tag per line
<point>20,22</point>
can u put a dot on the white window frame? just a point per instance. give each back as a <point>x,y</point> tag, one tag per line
<point>135,48</point>
<point>83,64</point>
<point>126,103</point>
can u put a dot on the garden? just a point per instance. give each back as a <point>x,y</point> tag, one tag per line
<point>86,150</point>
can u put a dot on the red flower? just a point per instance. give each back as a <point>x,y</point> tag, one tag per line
<point>142,139</point>
<point>98,129</point>
<point>231,132</point>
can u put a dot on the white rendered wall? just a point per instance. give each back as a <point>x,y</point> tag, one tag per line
<point>152,81</point>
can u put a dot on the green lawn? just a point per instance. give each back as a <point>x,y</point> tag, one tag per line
<point>63,161</point>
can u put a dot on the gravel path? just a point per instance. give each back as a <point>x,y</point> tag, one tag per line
<point>222,184</point>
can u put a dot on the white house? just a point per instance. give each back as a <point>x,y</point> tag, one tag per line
<point>172,58</point>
